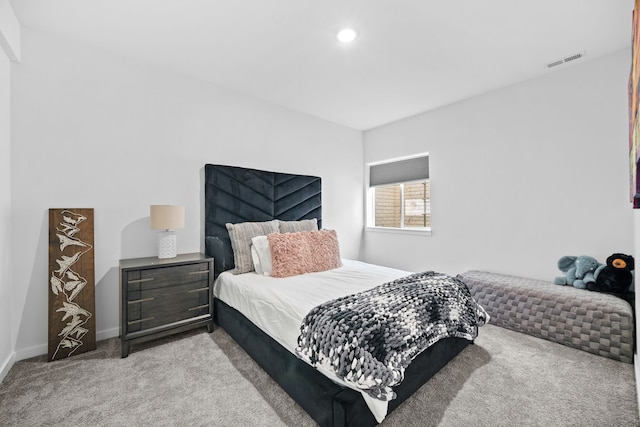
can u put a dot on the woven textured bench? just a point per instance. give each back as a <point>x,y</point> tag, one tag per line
<point>591,321</point>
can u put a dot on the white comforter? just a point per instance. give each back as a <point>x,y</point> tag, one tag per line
<point>278,306</point>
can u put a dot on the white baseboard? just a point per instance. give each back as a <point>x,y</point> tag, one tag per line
<point>33,351</point>
<point>6,366</point>
<point>39,350</point>
<point>106,334</point>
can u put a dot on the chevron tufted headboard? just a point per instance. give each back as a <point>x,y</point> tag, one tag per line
<point>235,194</point>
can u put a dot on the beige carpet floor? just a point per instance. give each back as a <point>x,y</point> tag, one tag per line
<point>201,379</point>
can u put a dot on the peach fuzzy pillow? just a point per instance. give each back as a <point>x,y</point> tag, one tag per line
<point>304,252</point>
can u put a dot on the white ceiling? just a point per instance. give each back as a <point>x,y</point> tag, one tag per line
<point>411,56</point>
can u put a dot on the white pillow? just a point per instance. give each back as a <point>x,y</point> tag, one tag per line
<point>261,255</point>
<point>257,266</point>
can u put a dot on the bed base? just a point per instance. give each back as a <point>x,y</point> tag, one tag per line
<point>328,403</point>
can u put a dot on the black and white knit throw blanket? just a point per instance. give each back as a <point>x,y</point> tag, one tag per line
<point>369,338</point>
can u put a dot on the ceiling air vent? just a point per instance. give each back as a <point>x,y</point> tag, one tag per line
<point>566,59</point>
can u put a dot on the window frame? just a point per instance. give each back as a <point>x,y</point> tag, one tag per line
<point>370,201</point>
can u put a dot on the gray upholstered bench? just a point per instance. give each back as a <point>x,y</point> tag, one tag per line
<point>591,321</point>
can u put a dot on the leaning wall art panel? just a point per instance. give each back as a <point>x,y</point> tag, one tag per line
<point>634,108</point>
<point>72,325</point>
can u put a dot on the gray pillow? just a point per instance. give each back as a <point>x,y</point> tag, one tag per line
<point>241,235</point>
<point>295,226</point>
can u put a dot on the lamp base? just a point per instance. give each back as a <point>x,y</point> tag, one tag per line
<point>167,244</point>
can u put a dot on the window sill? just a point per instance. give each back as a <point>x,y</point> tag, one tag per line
<point>393,230</point>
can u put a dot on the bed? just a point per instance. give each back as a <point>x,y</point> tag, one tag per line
<point>236,195</point>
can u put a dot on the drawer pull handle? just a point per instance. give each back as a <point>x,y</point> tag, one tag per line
<point>141,300</point>
<point>199,307</point>
<point>200,272</point>
<point>198,290</point>
<point>148,279</point>
<point>133,322</point>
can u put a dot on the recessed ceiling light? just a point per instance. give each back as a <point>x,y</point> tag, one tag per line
<point>347,35</point>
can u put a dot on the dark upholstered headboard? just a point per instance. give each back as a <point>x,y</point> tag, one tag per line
<point>233,194</point>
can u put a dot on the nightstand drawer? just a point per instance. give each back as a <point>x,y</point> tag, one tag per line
<point>153,278</point>
<point>154,307</point>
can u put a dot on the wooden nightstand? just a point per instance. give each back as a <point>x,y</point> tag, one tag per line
<point>160,297</point>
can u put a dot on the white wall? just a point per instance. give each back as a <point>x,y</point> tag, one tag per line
<point>94,130</point>
<point>9,50</point>
<point>520,176</point>
<point>9,31</point>
<point>6,339</point>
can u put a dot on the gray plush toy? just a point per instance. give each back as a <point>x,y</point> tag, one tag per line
<point>580,270</point>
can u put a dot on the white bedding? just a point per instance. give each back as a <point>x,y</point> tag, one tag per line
<point>278,305</point>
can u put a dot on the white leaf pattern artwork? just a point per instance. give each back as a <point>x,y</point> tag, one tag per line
<point>74,284</point>
<point>56,285</point>
<point>68,282</point>
<point>67,241</point>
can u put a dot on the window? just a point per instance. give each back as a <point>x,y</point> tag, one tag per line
<point>399,194</point>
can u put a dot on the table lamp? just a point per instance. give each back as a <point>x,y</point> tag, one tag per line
<point>167,218</point>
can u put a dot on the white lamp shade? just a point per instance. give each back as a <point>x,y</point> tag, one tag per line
<point>167,217</point>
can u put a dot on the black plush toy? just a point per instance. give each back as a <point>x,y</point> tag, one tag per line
<point>615,278</point>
